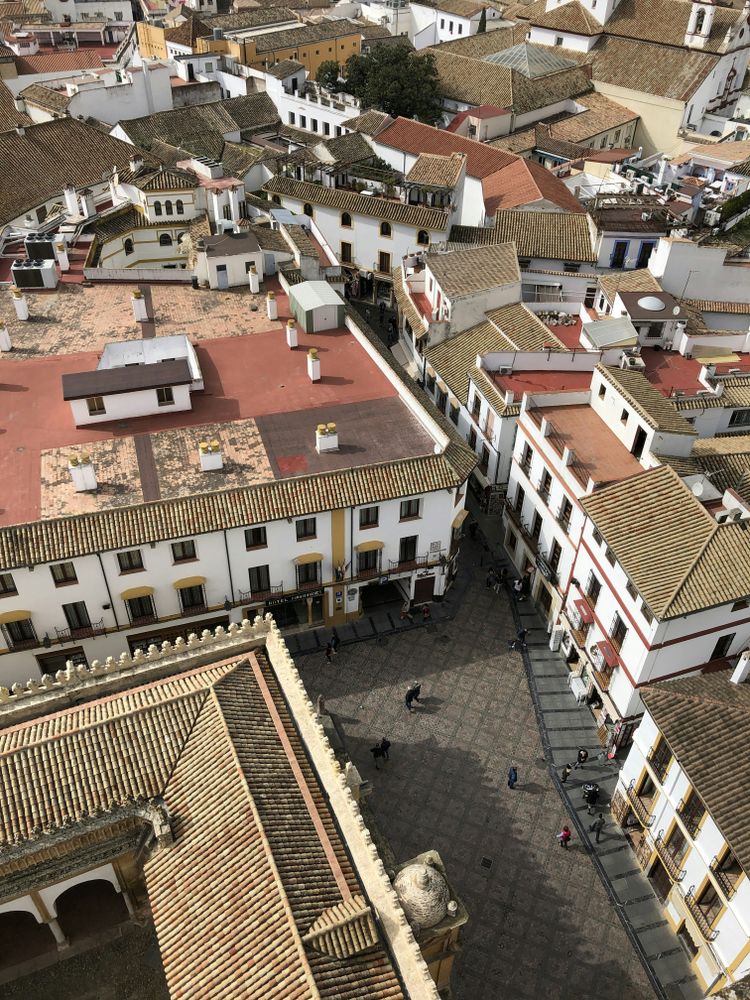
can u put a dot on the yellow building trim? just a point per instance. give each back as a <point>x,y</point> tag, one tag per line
<point>128,595</point>
<point>369,546</point>
<point>309,557</point>
<point>14,616</point>
<point>189,581</point>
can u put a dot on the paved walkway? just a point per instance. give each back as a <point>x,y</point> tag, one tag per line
<point>541,923</point>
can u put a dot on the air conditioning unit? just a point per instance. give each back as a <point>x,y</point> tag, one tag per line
<point>34,273</point>
<point>630,174</point>
<point>712,218</point>
<point>505,371</point>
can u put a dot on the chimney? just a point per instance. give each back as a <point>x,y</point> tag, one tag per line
<point>509,397</point>
<point>20,303</point>
<point>545,427</point>
<point>87,203</point>
<point>20,130</point>
<point>139,306</point>
<point>254,279</point>
<point>71,200</point>
<point>82,473</point>
<point>568,456</point>
<point>62,256</point>
<point>272,308</point>
<point>135,163</point>
<point>20,104</point>
<point>313,364</point>
<point>210,455</point>
<point>326,438</point>
<point>291,334</point>
<point>741,671</point>
<point>5,344</point>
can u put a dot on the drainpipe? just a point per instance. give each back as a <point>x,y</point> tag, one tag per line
<point>109,592</point>
<point>229,564</point>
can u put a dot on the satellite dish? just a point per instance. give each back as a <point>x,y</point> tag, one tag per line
<point>676,311</point>
<point>697,489</point>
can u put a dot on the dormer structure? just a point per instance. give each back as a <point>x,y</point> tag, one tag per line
<point>700,23</point>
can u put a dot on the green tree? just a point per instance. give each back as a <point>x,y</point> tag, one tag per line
<point>328,74</point>
<point>482,21</point>
<point>394,79</point>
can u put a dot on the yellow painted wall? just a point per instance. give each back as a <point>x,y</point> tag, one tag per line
<point>660,118</point>
<point>151,41</point>
<point>311,56</point>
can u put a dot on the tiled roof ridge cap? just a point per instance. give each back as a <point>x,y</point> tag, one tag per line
<point>268,852</point>
<point>612,373</point>
<point>681,583</point>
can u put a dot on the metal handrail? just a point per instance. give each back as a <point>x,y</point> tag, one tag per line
<point>672,866</point>
<point>699,916</point>
<point>725,883</point>
<point>82,632</point>
<point>638,806</point>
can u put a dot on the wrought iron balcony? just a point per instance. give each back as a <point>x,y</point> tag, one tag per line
<point>699,916</point>
<point>193,609</point>
<point>603,677</point>
<point>726,883</point>
<point>638,806</point>
<point>257,596</point>
<point>89,631</point>
<point>672,866</point>
<point>518,521</point>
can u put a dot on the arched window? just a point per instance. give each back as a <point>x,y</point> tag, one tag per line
<point>700,18</point>
<point>165,240</point>
<point>168,206</point>
<point>423,238</point>
<point>346,220</point>
<point>385,229</point>
<point>157,208</point>
<point>308,209</point>
<point>129,248</point>
<point>180,207</point>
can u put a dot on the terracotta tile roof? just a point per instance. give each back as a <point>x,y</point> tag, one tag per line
<point>417,321</point>
<point>658,412</point>
<point>601,115</point>
<point>554,235</point>
<point>639,280</point>
<point>666,21</point>
<point>460,8</point>
<point>679,558</point>
<point>188,32</point>
<point>720,306</point>
<point>431,219</point>
<point>285,68</point>
<point>256,897</point>
<point>673,73</point>
<point>706,723</point>
<point>507,181</point>
<point>167,180</point>
<point>434,170</point>
<point>475,269</point>
<point>46,98</point>
<point>725,459</point>
<point>217,118</point>
<point>517,142</point>
<point>370,123</point>
<point>9,117</point>
<point>305,34</point>
<point>252,17</point>
<point>572,17</point>
<point>51,155</point>
<point>349,148</point>
<point>58,62</point>
<point>509,328</point>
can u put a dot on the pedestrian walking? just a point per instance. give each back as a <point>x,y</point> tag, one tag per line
<point>385,746</point>
<point>408,699</point>
<point>329,652</point>
<point>416,689</point>
<point>406,611</point>
<point>518,589</point>
<point>564,837</point>
<point>377,754</point>
<point>566,772</point>
<point>512,777</point>
<point>520,639</point>
<point>426,613</point>
<point>583,756</point>
<point>368,315</point>
<point>335,641</point>
<point>381,308</point>
<point>597,826</point>
<point>491,578</point>
<point>590,796</point>
<point>500,577</point>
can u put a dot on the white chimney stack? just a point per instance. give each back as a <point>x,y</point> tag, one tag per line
<point>5,344</point>
<point>741,671</point>
<point>210,456</point>
<point>252,275</point>
<point>87,203</point>
<point>272,308</point>
<point>62,256</point>
<point>71,200</point>
<point>20,303</point>
<point>82,473</point>
<point>326,438</point>
<point>313,364</point>
<point>510,397</point>
<point>135,163</point>
<point>20,104</point>
<point>139,306</point>
<point>291,334</point>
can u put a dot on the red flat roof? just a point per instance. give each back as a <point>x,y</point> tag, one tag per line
<point>670,372</point>
<point>543,381</point>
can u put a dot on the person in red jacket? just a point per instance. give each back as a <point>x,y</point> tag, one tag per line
<point>564,837</point>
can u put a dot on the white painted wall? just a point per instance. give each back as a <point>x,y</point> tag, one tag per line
<point>688,270</point>
<point>126,405</point>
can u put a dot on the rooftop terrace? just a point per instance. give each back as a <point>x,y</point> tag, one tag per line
<point>258,402</point>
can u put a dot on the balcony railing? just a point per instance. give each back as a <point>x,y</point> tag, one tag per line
<point>699,916</point>
<point>726,884</point>
<point>89,631</point>
<point>672,866</point>
<point>690,817</point>
<point>193,609</point>
<point>149,619</point>
<point>400,565</point>
<point>659,761</point>
<point>18,644</point>
<point>256,596</point>
<point>519,522</point>
<point>638,806</point>
<point>603,677</point>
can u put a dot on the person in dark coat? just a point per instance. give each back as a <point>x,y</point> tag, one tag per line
<point>566,772</point>
<point>416,689</point>
<point>520,639</point>
<point>512,777</point>
<point>377,753</point>
<point>590,796</point>
<point>335,641</point>
<point>597,826</point>
<point>583,756</point>
<point>329,652</point>
<point>385,746</point>
<point>408,699</point>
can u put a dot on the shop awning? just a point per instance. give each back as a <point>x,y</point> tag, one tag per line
<point>584,610</point>
<point>128,595</point>
<point>309,557</point>
<point>14,616</point>
<point>459,519</point>
<point>369,546</point>
<point>609,654</point>
<point>189,581</point>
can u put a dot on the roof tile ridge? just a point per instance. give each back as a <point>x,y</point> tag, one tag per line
<point>698,556</point>
<point>266,846</point>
